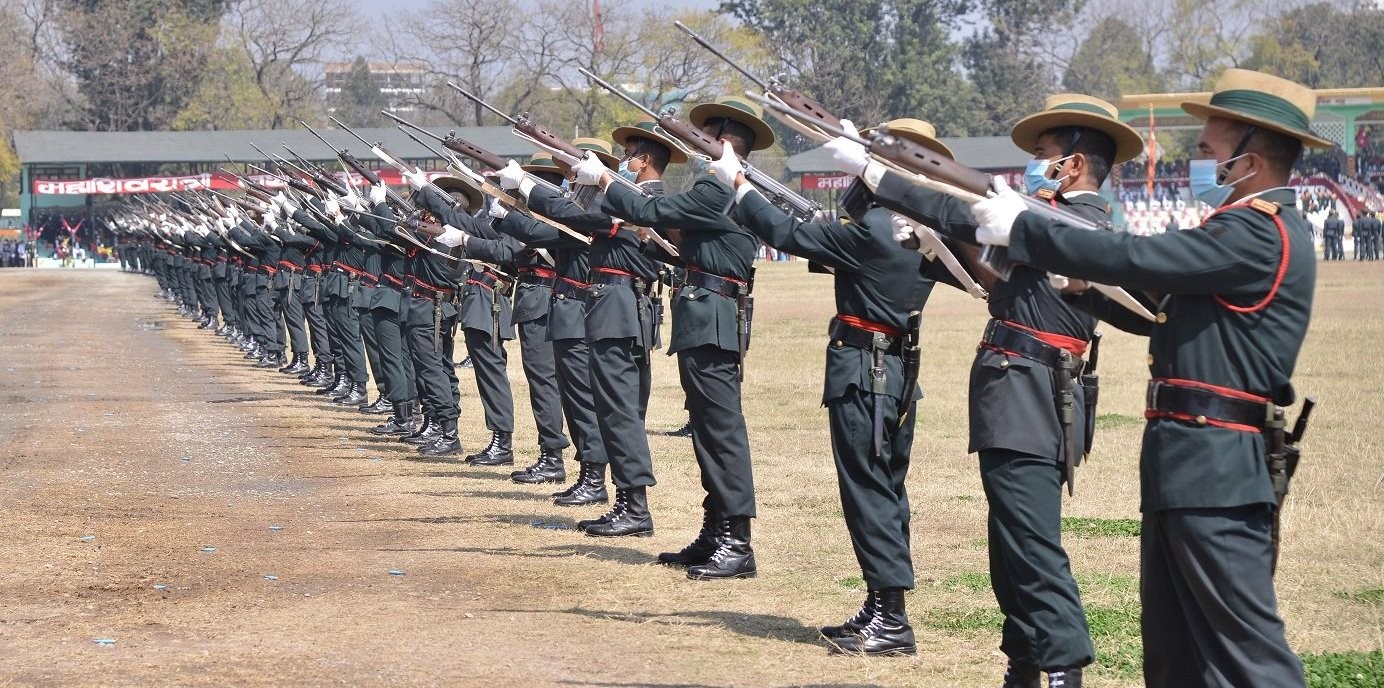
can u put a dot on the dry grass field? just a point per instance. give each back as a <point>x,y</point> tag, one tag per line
<point>123,422</point>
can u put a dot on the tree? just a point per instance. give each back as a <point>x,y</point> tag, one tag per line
<point>228,97</point>
<point>1113,61</point>
<point>359,99</point>
<point>279,39</point>
<point>868,60</point>
<point>1323,47</point>
<point>1013,64</point>
<point>135,63</point>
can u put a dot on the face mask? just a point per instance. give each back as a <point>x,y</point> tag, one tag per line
<point>1036,175</point>
<point>1204,178</point>
<point>626,172</point>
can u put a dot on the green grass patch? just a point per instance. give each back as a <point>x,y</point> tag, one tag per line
<point>963,621</point>
<point>1100,527</point>
<point>852,583</point>
<point>1371,596</point>
<point>980,544</point>
<point>1107,582</point>
<point>1344,669</point>
<point>1115,633</point>
<point>973,582</point>
<point>1109,421</point>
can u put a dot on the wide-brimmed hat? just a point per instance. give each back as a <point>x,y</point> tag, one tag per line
<point>541,163</point>
<point>915,130</point>
<point>474,199</point>
<point>649,129</point>
<point>1075,110</point>
<point>1265,101</point>
<point>602,149</point>
<point>738,109</point>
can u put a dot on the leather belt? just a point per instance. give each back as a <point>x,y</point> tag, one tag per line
<point>725,286</point>
<point>570,289</point>
<point>537,279</point>
<point>422,289</point>
<point>393,281</point>
<point>348,269</point>
<point>315,269</point>
<point>621,278</point>
<point>1006,338</point>
<point>1206,404</point>
<point>487,281</point>
<point>269,270</point>
<point>369,280</point>
<point>290,266</point>
<point>860,335</point>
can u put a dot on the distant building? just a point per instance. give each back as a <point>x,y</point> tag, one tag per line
<point>402,84</point>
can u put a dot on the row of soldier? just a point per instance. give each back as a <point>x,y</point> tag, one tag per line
<point>577,272</point>
<point>1366,233</point>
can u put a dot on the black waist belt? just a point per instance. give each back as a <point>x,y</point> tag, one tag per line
<point>1203,406</point>
<point>1002,336</point>
<point>636,283</point>
<point>569,290</point>
<point>721,285</point>
<point>537,280</point>
<point>843,334</point>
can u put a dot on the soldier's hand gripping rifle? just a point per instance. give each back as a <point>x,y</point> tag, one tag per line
<point>351,162</point>
<point>924,167</point>
<point>710,149</point>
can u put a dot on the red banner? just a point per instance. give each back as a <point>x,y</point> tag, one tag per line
<point>827,182</point>
<point>218,181</point>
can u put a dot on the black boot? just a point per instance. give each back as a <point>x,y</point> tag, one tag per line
<point>204,322</point>
<point>699,550</point>
<point>588,489</point>
<point>319,376</point>
<point>635,520</point>
<point>399,425</point>
<point>354,396</point>
<point>339,385</point>
<point>857,622</point>
<point>547,469</point>
<point>446,443</point>
<point>582,470</point>
<point>616,509</point>
<point>297,366</point>
<point>887,633</point>
<point>1022,675</point>
<point>465,363</point>
<point>271,359</point>
<point>1065,678</point>
<point>425,433</point>
<point>500,451</point>
<point>733,557</point>
<point>380,407</point>
<point>684,431</point>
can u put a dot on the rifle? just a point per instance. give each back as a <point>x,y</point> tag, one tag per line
<point>353,163</point>
<point>778,194</point>
<point>481,183</point>
<point>317,173</point>
<point>935,172</point>
<point>393,160</point>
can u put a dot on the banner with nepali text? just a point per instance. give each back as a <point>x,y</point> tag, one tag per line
<point>218,181</point>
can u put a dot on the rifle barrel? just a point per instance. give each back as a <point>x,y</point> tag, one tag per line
<point>482,103</point>
<point>712,49</point>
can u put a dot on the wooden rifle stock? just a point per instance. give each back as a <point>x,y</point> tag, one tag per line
<point>547,138</point>
<point>471,150</point>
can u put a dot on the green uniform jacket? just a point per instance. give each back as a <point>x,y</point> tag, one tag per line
<point>711,242</point>
<point>876,279</point>
<point>1235,254</point>
<point>566,316</point>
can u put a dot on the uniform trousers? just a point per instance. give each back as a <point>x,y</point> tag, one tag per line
<point>710,378</point>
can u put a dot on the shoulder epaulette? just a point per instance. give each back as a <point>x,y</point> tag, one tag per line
<point>1267,207</point>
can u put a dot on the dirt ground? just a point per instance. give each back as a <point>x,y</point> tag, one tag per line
<point>223,526</point>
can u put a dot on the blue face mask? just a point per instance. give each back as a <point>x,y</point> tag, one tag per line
<point>1036,176</point>
<point>1204,178</point>
<point>626,172</point>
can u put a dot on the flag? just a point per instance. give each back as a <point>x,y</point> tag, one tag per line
<point>599,27</point>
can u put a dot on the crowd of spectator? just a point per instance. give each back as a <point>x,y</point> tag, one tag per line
<point>16,254</point>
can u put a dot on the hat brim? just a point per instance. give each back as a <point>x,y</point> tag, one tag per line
<point>474,199</point>
<point>622,135</point>
<point>543,169</point>
<point>1128,143</point>
<point>763,135</point>
<point>925,141</point>
<point>1204,111</point>
<point>610,161</point>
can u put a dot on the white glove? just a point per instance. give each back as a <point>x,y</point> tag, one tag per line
<point>903,229</point>
<point>995,215</point>
<point>416,179</point>
<point>270,223</point>
<point>377,194</point>
<point>510,176</point>
<point>451,237</point>
<point>727,167</point>
<point>1057,281</point>
<point>351,200</point>
<point>589,170</point>
<point>333,206</point>
<point>498,211</point>
<point>850,156</point>
<point>267,208</point>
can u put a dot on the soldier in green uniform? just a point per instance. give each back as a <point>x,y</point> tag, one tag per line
<point>1238,296</point>
<point>1332,230</point>
<point>710,326</point>
<point>879,288</point>
<point>1023,391</point>
<point>400,388</point>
